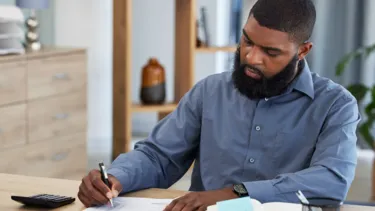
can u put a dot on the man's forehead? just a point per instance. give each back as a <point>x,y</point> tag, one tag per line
<point>264,36</point>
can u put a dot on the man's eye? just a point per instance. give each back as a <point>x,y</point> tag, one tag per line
<point>248,42</point>
<point>272,53</point>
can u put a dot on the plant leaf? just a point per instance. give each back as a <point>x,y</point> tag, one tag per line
<point>358,91</point>
<point>369,110</point>
<point>364,130</point>
<point>373,93</point>
<point>369,50</point>
<point>340,67</point>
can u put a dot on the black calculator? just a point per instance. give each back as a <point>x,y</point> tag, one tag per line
<point>44,200</point>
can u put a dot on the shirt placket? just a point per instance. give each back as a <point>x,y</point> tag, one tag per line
<point>252,161</point>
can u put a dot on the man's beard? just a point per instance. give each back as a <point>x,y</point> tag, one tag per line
<point>263,87</point>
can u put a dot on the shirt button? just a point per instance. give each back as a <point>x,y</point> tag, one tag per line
<point>251,160</point>
<point>257,128</point>
<point>266,99</point>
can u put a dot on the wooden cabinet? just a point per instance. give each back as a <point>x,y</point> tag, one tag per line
<point>43,111</point>
<point>12,82</point>
<point>12,126</point>
<point>56,75</point>
<point>57,116</point>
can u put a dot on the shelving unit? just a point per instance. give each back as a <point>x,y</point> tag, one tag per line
<point>185,50</point>
<point>152,108</point>
<point>216,49</point>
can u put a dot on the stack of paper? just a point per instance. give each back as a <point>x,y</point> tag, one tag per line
<point>134,204</point>
<point>240,204</point>
<point>11,30</point>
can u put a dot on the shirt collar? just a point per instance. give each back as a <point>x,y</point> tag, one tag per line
<point>304,82</point>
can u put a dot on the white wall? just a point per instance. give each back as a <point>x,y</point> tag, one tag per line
<point>369,39</point>
<point>7,2</point>
<point>89,25</point>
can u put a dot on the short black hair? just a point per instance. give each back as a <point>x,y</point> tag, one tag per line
<point>295,17</point>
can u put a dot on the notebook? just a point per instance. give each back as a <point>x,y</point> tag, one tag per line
<point>247,204</point>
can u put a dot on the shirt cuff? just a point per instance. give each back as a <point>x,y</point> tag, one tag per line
<point>121,176</point>
<point>263,191</point>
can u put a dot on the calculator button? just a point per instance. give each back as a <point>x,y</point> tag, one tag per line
<point>59,200</point>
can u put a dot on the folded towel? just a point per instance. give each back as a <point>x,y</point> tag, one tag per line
<point>11,13</point>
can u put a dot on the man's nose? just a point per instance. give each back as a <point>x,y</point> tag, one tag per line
<point>254,56</point>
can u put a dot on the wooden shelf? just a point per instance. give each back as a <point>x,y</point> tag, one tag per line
<point>184,64</point>
<point>169,107</point>
<point>216,49</point>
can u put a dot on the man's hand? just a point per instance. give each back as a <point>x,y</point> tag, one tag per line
<point>93,191</point>
<point>199,201</point>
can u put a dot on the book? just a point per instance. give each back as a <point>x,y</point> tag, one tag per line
<point>249,204</point>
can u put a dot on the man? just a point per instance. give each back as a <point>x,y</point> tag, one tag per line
<point>266,130</point>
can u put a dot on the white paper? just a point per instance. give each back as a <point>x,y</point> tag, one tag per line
<point>276,206</point>
<point>134,204</point>
<point>271,206</point>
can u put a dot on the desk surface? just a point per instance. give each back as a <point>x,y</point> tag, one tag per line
<point>27,186</point>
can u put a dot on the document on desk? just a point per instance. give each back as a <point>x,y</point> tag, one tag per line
<point>134,204</point>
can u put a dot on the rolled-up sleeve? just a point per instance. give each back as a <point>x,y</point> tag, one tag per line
<point>168,152</point>
<point>333,163</point>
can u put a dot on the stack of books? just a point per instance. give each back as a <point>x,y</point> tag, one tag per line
<point>11,30</point>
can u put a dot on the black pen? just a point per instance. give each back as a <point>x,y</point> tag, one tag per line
<point>104,174</point>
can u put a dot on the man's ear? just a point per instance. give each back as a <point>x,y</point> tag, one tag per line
<point>304,49</point>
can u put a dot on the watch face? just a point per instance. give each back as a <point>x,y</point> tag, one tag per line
<point>240,189</point>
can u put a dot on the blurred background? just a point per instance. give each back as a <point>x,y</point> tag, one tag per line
<point>58,99</point>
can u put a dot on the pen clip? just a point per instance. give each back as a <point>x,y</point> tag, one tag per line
<point>302,197</point>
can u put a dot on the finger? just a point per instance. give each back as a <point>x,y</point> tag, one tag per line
<point>116,186</point>
<point>170,206</point>
<point>179,206</point>
<point>176,201</point>
<point>85,193</point>
<point>189,207</point>
<point>203,208</point>
<point>192,203</point>
<point>101,186</point>
<point>93,193</point>
<point>85,201</point>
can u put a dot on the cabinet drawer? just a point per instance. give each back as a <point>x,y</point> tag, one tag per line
<point>12,82</point>
<point>63,157</point>
<point>12,126</point>
<point>56,75</point>
<point>57,116</point>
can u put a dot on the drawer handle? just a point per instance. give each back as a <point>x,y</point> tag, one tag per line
<point>60,76</point>
<point>61,116</point>
<point>59,156</point>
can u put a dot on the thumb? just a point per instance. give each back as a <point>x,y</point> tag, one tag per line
<point>116,186</point>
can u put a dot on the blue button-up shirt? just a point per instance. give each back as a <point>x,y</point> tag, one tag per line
<point>304,139</point>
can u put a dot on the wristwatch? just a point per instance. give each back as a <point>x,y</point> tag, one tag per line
<point>240,190</point>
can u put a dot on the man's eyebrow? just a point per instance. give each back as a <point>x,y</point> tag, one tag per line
<point>264,47</point>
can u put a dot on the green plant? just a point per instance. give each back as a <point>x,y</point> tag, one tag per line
<point>359,91</point>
